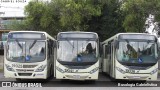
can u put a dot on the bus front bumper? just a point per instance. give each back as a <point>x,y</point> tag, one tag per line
<point>136,77</point>
<point>27,75</point>
<point>77,76</point>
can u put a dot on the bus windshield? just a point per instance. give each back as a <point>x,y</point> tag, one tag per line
<point>76,51</point>
<point>26,51</point>
<point>137,52</point>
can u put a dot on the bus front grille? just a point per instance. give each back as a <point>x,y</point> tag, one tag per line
<point>137,77</point>
<point>24,70</point>
<point>74,77</point>
<point>24,74</point>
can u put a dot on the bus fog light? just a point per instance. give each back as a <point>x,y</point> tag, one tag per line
<point>120,70</point>
<point>94,70</point>
<point>59,69</point>
<point>41,68</point>
<point>154,71</point>
<point>9,68</point>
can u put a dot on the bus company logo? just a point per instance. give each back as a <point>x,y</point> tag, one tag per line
<point>14,84</point>
<point>6,84</point>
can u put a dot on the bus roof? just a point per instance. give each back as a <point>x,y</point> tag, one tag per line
<point>76,32</point>
<point>46,34</point>
<point>116,36</point>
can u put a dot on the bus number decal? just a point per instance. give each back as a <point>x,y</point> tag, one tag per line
<point>17,65</point>
<point>71,70</point>
<point>130,71</point>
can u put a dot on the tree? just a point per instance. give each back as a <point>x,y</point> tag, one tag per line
<point>17,25</point>
<point>136,12</point>
<point>61,15</point>
<point>109,22</point>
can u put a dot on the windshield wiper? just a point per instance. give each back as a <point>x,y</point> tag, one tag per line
<point>22,56</point>
<point>34,42</point>
<point>70,43</point>
<point>148,43</point>
<point>126,40</point>
<point>19,44</point>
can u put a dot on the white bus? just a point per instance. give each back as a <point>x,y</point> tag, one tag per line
<point>132,56</point>
<point>29,55</point>
<point>77,56</point>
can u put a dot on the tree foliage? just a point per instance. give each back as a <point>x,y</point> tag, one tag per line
<point>106,17</point>
<point>61,15</point>
<point>109,22</point>
<point>136,12</point>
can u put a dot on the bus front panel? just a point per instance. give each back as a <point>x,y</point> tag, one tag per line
<point>89,73</point>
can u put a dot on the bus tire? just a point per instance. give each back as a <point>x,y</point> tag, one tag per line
<point>18,79</point>
<point>51,71</point>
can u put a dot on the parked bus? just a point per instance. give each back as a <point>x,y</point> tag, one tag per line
<point>3,39</point>
<point>132,56</point>
<point>77,56</point>
<point>29,55</point>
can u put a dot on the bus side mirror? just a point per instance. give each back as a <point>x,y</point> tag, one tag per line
<point>158,33</point>
<point>100,48</point>
<point>55,37</point>
<point>58,44</point>
<point>158,53</point>
<point>116,44</point>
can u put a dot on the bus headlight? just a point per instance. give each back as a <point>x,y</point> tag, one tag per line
<point>154,71</point>
<point>9,68</point>
<point>59,69</point>
<point>120,70</point>
<point>41,68</point>
<point>94,70</point>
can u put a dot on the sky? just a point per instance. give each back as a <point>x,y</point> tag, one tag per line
<point>12,8</point>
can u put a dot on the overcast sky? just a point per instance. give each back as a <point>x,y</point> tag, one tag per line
<point>13,8</point>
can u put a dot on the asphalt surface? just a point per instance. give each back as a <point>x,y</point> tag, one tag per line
<point>85,88</point>
<point>103,81</point>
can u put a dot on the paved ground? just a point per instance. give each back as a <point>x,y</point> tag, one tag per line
<point>85,88</point>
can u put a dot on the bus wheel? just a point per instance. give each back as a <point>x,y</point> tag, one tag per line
<point>91,81</point>
<point>112,79</point>
<point>18,79</point>
<point>51,72</point>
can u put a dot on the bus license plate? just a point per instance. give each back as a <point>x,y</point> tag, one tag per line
<point>76,76</point>
<point>136,77</point>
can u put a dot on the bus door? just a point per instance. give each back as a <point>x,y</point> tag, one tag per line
<point>104,55</point>
<point>55,58</point>
<point>111,60</point>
